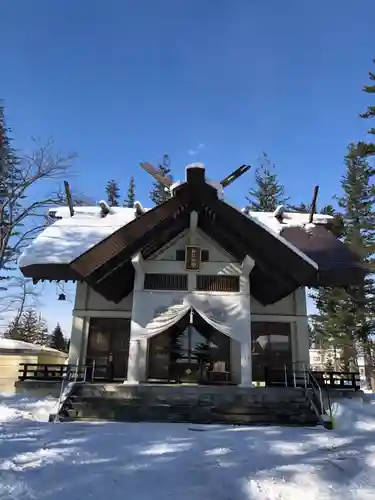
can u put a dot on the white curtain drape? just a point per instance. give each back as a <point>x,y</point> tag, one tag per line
<point>155,312</point>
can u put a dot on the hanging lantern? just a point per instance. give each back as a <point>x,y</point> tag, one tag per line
<point>60,292</point>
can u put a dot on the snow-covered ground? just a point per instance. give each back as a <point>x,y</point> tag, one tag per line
<point>80,461</point>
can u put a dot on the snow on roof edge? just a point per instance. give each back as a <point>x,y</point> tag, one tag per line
<point>13,345</point>
<point>68,237</point>
<point>292,247</point>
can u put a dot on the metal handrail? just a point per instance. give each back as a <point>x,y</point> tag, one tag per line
<point>313,383</point>
<point>328,398</point>
<point>66,378</point>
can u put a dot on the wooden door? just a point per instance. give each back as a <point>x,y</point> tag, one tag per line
<point>120,336</point>
<point>109,342</point>
<point>271,348</point>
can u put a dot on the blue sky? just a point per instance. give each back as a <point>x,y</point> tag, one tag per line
<point>123,81</point>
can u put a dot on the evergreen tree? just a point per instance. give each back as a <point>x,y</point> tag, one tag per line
<point>57,340</point>
<point>357,204</point>
<point>130,199</point>
<point>345,318</point>
<point>269,193</point>
<point>14,331</point>
<point>10,178</point>
<point>33,327</point>
<point>363,148</point>
<point>113,193</point>
<point>158,193</point>
<point>333,326</point>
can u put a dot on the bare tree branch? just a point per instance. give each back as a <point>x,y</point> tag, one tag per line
<point>20,294</point>
<point>23,216</point>
<point>16,212</point>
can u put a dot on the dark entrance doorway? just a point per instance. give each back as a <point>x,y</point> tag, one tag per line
<point>108,345</point>
<point>271,350</point>
<point>192,351</point>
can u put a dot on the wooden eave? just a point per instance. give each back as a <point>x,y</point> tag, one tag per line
<point>50,272</point>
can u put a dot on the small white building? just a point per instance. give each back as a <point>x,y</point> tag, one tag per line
<point>14,353</point>
<point>193,290</point>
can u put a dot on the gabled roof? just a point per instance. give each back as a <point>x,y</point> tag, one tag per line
<point>283,261</point>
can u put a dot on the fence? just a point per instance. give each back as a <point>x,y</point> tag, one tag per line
<point>29,371</point>
<point>297,376</point>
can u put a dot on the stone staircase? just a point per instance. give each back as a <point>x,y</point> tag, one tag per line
<point>188,403</point>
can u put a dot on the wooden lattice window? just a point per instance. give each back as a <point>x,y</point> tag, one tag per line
<point>154,281</point>
<point>180,255</point>
<point>205,256</point>
<point>218,283</point>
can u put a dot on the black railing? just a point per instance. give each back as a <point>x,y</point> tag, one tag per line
<point>338,380</point>
<point>58,372</point>
<point>289,376</point>
<point>293,376</point>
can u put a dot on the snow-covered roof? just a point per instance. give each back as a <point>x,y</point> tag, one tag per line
<point>19,345</point>
<point>69,237</point>
<point>290,219</point>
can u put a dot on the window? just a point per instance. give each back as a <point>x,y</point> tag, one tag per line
<point>205,256</point>
<point>218,283</point>
<point>180,255</point>
<point>155,281</point>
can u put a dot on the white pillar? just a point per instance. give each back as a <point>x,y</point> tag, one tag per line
<point>246,364</point>
<point>246,361</point>
<point>85,340</point>
<point>133,362</point>
<point>137,359</point>
<point>76,339</point>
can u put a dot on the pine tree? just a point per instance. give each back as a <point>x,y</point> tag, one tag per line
<point>130,200</point>
<point>333,326</point>
<point>269,193</point>
<point>14,331</point>
<point>158,193</point>
<point>10,178</point>
<point>57,340</point>
<point>33,327</point>
<point>357,204</point>
<point>113,193</point>
<point>365,149</point>
<point>345,316</point>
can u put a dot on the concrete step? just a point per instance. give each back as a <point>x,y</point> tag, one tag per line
<point>192,404</point>
<point>91,409</point>
<point>120,405</point>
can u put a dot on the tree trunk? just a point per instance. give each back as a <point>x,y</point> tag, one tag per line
<point>369,366</point>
